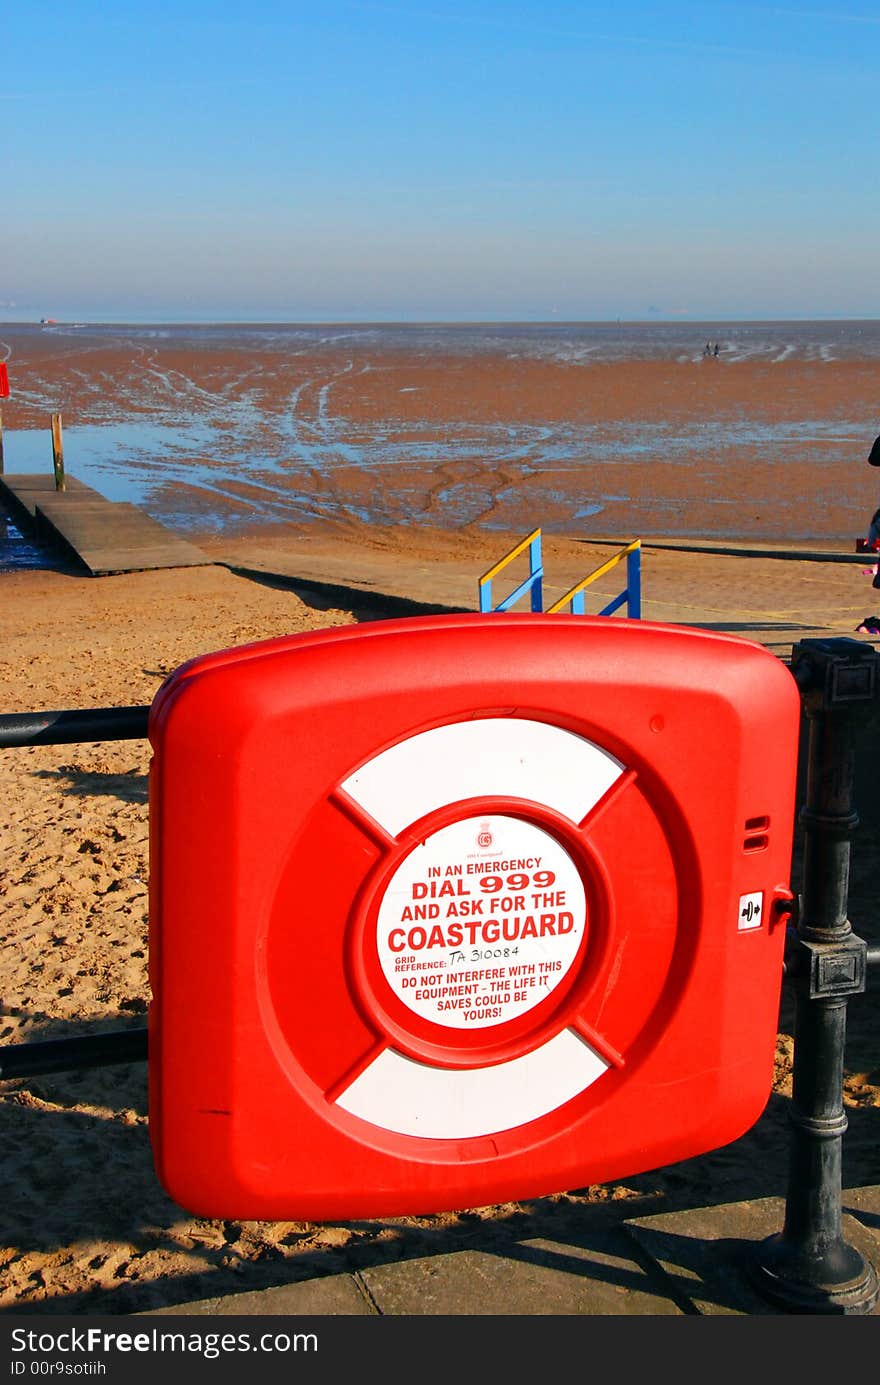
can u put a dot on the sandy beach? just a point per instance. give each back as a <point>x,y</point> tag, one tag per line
<point>86,1226</point>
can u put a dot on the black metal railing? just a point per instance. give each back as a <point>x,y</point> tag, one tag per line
<point>74,726</point>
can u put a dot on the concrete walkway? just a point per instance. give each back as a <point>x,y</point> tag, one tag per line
<point>774,596</point>
<point>104,536</point>
<point>672,1265</point>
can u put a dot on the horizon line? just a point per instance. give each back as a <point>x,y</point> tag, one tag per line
<point>205,321</point>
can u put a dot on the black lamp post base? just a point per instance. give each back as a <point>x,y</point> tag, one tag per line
<point>837,1282</point>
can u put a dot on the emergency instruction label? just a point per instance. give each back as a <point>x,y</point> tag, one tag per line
<point>481,922</point>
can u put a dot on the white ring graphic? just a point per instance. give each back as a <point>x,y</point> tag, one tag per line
<point>490,756</point>
<point>411,1098</point>
<point>503,757</point>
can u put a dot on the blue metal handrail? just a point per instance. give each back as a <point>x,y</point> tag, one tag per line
<point>631,594</point>
<point>533,584</point>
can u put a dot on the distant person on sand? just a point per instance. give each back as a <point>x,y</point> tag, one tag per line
<point>715,349</point>
<point>707,349</point>
<point>871,624</point>
<point>874,527</point>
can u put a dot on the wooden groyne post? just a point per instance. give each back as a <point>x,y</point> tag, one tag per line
<point>57,452</point>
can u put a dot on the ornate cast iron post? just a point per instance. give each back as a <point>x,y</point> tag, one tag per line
<point>808,1267</point>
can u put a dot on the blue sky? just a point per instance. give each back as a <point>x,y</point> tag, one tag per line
<point>455,160</point>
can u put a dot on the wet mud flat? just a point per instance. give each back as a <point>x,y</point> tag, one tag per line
<point>595,434</point>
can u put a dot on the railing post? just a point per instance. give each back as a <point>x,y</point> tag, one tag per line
<point>57,452</point>
<point>634,582</point>
<point>1,442</point>
<point>532,584</point>
<point>808,1267</point>
<point>536,573</point>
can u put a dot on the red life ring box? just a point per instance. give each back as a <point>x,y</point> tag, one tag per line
<point>459,909</point>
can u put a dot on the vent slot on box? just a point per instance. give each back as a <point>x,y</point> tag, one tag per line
<point>757,833</point>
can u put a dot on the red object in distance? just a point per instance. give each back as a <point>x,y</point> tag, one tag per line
<point>4,381</point>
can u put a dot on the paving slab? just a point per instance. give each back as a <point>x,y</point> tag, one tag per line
<point>707,1253</point>
<point>538,1278</point>
<point>337,1295</point>
<point>674,1264</point>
